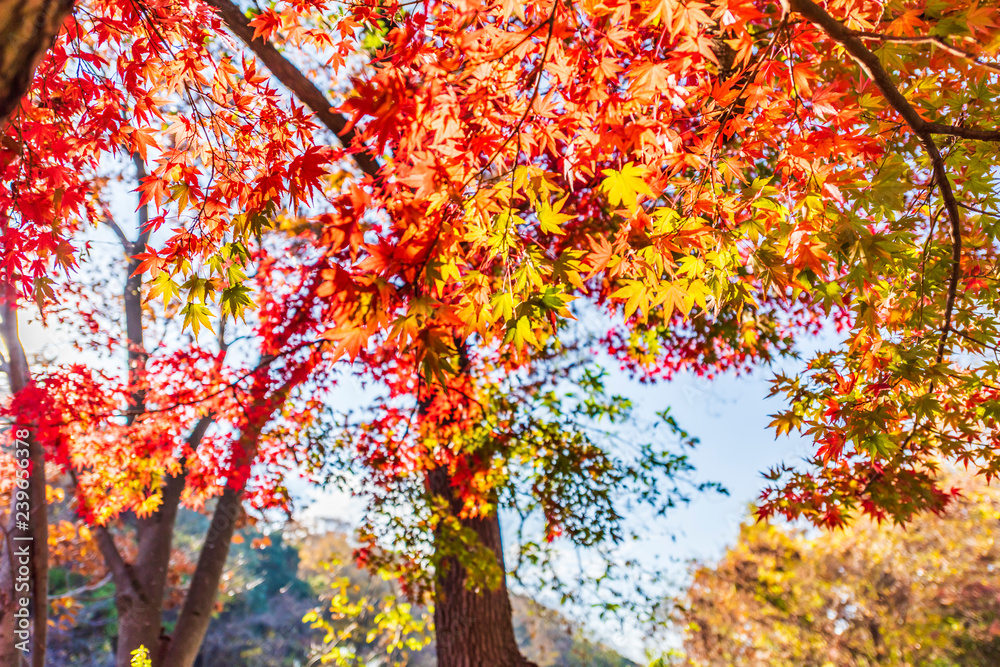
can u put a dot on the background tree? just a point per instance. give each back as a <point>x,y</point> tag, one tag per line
<point>870,594</point>
<point>100,88</point>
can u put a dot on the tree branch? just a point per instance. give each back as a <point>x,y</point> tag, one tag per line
<point>120,571</point>
<point>89,588</point>
<point>113,226</point>
<point>923,129</point>
<point>926,39</point>
<point>137,354</point>
<point>855,46</point>
<point>192,623</point>
<point>144,229</point>
<point>294,80</point>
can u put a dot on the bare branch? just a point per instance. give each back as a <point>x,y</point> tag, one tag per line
<point>120,570</point>
<point>144,230</point>
<point>975,210</point>
<point>113,226</point>
<point>974,133</point>
<point>83,589</point>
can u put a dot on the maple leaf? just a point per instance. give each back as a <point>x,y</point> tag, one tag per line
<point>197,315</point>
<point>624,186</point>
<point>235,300</point>
<point>600,255</point>
<point>550,219</point>
<point>142,139</point>
<point>162,285</point>
<point>648,80</point>
<point>264,24</point>
<point>149,262</point>
<point>348,341</point>
<point>153,189</point>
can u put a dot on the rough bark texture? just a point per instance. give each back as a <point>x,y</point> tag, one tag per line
<point>139,619</point>
<point>473,629</point>
<point>27,30</point>
<point>37,533</point>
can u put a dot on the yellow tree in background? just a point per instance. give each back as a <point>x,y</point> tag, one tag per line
<point>928,594</point>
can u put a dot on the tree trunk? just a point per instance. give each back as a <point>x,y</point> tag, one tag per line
<point>473,629</point>
<point>139,622</point>
<point>192,624</point>
<point>9,655</point>
<point>199,603</point>
<point>27,30</point>
<point>36,533</point>
<point>140,586</point>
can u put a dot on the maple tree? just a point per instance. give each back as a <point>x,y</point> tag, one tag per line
<point>717,177</point>
<point>766,174</point>
<point>52,152</point>
<point>541,437</point>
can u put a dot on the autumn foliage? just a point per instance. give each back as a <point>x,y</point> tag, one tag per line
<point>783,595</point>
<point>713,181</point>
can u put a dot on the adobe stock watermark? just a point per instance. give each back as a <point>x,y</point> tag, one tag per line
<point>21,543</point>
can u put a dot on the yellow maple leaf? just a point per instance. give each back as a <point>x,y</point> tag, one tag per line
<point>624,187</point>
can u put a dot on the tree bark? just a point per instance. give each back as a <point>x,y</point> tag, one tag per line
<point>27,30</point>
<point>140,618</point>
<point>137,354</point>
<point>473,629</point>
<point>37,533</point>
